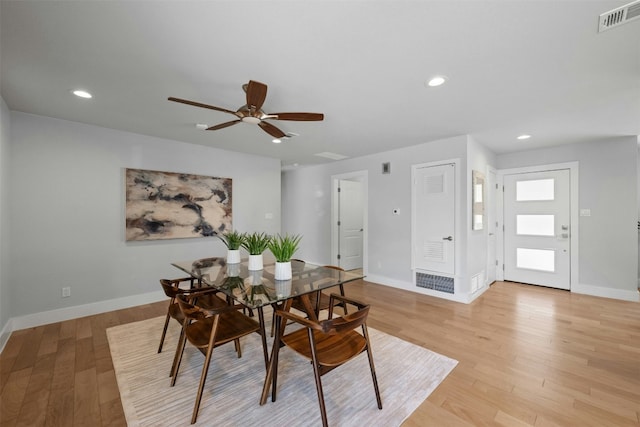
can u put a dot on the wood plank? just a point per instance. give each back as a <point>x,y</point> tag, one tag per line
<point>34,405</point>
<point>60,409</point>
<point>86,406</point>
<point>13,394</point>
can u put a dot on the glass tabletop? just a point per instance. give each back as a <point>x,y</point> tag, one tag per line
<point>258,288</point>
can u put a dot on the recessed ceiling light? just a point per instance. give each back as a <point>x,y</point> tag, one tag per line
<point>82,94</point>
<point>436,81</point>
<point>525,136</point>
<point>202,126</point>
<point>277,141</point>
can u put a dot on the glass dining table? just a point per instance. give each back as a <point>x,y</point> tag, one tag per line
<point>258,289</point>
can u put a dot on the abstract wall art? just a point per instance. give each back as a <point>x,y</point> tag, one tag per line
<point>169,205</point>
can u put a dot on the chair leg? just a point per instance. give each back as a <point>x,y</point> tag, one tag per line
<point>236,343</point>
<point>316,373</point>
<point>164,332</point>
<point>203,379</point>
<point>178,357</point>
<point>372,367</point>
<point>175,357</point>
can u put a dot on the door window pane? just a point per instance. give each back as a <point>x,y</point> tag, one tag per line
<point>535,225</point>
<point>536,259</point>
<point>538,189</point>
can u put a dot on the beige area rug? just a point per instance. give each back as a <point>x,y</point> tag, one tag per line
<point>407,374</point>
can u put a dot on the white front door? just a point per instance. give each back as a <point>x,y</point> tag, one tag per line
<point>434,218</point>
<point>351,225</point>
<point>537,228</point>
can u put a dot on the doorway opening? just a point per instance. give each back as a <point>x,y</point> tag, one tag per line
<point>349,220</point>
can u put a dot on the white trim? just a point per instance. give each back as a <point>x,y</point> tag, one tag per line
<point>490,227</point>
<point>68,313</point>
<point>361,176</point>
<point>605,292</point>
<point>5,334</point>
<point>575,217</point>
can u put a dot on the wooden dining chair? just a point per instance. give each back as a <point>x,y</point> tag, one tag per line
<point>328,344</point>
<point>320,300</point>
<point>172,288</point>
<point>207,328</point>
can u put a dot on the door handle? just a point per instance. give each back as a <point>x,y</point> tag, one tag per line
<point>450,238</point>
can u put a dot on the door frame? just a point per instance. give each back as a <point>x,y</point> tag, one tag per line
<point>492,221</point>
<point>362,177</point>
<point>574,187</point>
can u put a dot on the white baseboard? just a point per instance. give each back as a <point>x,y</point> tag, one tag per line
<point>5,334</point>
<point>68,313</point>
<point>411,287</point>
<point>600,291</point>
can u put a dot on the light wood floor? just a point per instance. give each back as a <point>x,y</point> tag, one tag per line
<point>527,356</point>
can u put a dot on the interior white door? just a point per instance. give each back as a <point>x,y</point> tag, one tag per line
<point>537,228</point>
<point>351,223</point>
<point>434,218</point>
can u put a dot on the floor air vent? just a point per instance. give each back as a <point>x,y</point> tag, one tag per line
<point>437,283</point>
<point>619,16</point>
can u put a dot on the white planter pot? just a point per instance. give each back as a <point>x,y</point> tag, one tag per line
<point>233,256</point>
<point>283,270</point>
<point>255,262</point>
<point>283,288</point>
<point>233,269</point>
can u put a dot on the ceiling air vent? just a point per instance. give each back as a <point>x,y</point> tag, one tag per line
<point>619,16</point>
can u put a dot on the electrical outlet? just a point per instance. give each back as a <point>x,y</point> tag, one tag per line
<point>66,292</point>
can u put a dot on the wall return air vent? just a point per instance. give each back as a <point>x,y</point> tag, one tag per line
<point>619,16</point>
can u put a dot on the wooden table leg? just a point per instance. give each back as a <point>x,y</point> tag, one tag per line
<point>263,334</point>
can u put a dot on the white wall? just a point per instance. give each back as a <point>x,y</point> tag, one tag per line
<point>4,219</point>
<point>307,208</point>
<point>608,250</point>
<point>67,211</point>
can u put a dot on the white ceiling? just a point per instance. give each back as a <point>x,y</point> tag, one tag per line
<point>513,67</point>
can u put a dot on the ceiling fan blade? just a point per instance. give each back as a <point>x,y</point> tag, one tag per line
<point>256,94</point>
<point>198,104</point>
<point>271,130</point>
<point>302,117</point>
<point>224,125</point>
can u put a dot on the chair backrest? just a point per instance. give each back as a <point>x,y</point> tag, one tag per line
<point>190,311</point>
<point>170,288</point>
<point>344,323</point>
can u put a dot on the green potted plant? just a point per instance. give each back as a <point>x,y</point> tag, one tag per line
<point>283,248</point>
<point>233,241</point>
<point>256,243</point>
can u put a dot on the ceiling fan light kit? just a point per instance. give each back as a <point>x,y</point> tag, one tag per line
<point>252,112</point>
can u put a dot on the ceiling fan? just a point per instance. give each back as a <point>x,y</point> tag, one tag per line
<point>252,111</point>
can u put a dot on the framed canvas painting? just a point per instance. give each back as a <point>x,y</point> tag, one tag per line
<point>169,205</point>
